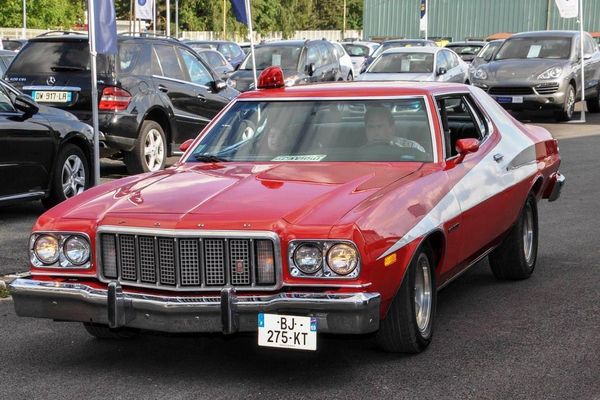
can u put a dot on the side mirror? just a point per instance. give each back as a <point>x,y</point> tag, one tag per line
<point>587,56</point>
<point>464,147</point>
<point>363,68</point>
<point>219,85</point>
<point>311,69</point>
<point>26,104</point>
<point>441,71</point>
<point>186,145</point>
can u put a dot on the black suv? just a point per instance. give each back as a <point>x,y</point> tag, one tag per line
<point>153,95</point>
<point>302,61</point>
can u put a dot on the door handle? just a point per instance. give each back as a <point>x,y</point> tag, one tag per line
<point>201,97</point>
<point>163,88</point>
<point>498,157</point>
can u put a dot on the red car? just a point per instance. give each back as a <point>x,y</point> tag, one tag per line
<point>338,208</point>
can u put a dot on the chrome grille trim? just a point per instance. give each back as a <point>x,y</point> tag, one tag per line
<point>182,258</point>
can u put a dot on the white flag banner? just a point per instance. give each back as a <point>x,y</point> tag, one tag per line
<point>143,9</point>
<point>568,8</point>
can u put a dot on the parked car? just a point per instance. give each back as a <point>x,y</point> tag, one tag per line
<point>346,65</point>
<point>13,45</point>
<point>542,70</point>
<point>433,64</point>
<point>343,211</point>
<point>302,61</point>
<point>390,44</point>
<point>216,61</point>
<point>466,50</point>
<point>6,57</point>
<point>153,95</point>
<point>232,52</point>
<point>359,52</point>
<point>45,153</point>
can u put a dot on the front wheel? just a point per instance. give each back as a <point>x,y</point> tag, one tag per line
<point>568,108</point>
<point>515,258</point>
<point>408,326</point>
<point>70,177</point>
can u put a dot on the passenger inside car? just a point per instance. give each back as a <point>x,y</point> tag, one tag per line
<point>380,128</point>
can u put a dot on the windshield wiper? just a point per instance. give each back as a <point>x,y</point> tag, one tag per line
<point>67,68</point>
<point>209,158</point>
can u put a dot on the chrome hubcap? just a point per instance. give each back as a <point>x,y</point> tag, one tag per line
<point>73,176</point>
<point>154,150</point>
<point>528,234</point>
<point>423,293</point>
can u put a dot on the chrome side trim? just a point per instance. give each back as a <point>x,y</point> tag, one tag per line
<point>22,196</point>
<point>465,269</point>
<point>53,88</point>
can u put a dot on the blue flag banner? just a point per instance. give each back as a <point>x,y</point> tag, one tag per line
<point>239,10</point>
<point>423,8</point>
<point>105,26</point>
<point>423,20</point>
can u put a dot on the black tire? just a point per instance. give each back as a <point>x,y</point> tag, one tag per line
<point>512,260</point>
<point>593,103</point>
<point>350,77</point>
<point>568,107</point>
<point>137,161</point>
<point>399,331</point>
<point>103,332</point>
<point>79,178</point>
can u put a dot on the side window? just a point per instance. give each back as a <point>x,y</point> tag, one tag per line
<point>196,70</point>
<point>5,102</point>
<point>313,56</point>
<point>214,59</point>
<point>589,46</point>
<point>453,62</point>
<point>442,60</point>
<point>461,119</point>
<point>169,62</point>
<point>326,54</point>
<point>155,67</point>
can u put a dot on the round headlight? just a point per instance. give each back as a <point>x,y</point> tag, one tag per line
<point>45,249</point>
<point>308,258</point>
<point>77,250</point>
<point>342,259</point>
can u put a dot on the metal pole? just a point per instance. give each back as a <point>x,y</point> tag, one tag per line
<point>426,19</point>
<point>168,30</point>
<point>154,17</point>
<point>344,24</point>
<point>92,44</point>
<point>176,18</point>
<point>548,8</point>
<point>249,15</point>
<point>224,21</point>
<point>130,17</point>
<point>24,31</point>
<point>583,105</point>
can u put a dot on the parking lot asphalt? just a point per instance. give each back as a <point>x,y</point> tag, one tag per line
<point>533,339</point>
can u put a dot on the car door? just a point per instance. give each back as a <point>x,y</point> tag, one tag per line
<point>177,92</point>
<point>207,102</point>
<point>27,151</point>
<point>592,64</point>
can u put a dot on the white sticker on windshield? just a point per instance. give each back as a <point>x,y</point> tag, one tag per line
<point>276,59</point>
<point>315,157</point>
<point>405,65</point>
<point>534,51</point>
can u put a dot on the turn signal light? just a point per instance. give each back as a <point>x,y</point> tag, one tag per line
<point>265,262</point>
<point>114,99</point>
<point>271,78</point>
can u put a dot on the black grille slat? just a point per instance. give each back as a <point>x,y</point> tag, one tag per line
<point>509,90</point>
<point>185,263</point>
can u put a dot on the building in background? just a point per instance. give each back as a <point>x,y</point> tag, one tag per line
<point>469,19</point>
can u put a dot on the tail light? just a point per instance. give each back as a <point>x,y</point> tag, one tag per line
<point>114,99</point>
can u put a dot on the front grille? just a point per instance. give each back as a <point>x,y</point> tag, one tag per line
<point>188,263</point>
<point>547,88</point>
<point>510,91</point>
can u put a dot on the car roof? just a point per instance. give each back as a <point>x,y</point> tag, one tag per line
<point>293,42</point>
<point>413,50</point>
<point>208,41</point>
<point>409,41</point>
<point>356,89</point>
<point>467,43</point>
<point>79,37</point>
<point>545,34</point>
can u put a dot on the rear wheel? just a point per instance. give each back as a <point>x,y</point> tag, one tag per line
<point>408,326</point>
<point>100,331</point>
<point>515,258</point>
<point>70,176</point>
<point>566,114</point>
<point>150,151</point>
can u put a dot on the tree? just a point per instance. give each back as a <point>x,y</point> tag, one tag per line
<point>42,14</point>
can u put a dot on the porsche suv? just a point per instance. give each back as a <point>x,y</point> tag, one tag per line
<point>153,95</point>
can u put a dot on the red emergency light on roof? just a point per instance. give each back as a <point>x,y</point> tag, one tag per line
<point>271,78</point>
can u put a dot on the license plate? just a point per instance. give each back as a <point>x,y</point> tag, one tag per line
<point>287,331</point>
<point>51,97</point>
<point>512,99</point>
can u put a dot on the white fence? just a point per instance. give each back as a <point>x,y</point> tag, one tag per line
<point>329,35</point>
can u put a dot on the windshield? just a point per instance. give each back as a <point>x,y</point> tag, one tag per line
<point>313,131</point>
<point>535,47</point>
<point>390,45</point>
<point>403,63</point>
<point>488,51</point>
<point>355,50</point>
<point>466,50</point>
<point>287,57</point>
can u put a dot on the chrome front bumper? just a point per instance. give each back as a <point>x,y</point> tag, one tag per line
<point>344,313</point>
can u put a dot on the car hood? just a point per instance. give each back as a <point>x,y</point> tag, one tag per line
<point>225,196</point>
<point>374,76</point>
<point>507,70</point>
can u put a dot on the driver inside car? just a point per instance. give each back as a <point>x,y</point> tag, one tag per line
<point>380,129</point>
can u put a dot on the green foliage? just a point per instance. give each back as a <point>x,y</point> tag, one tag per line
<point>42,14</point>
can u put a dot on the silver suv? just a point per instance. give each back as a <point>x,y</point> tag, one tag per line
<point>535,70</point>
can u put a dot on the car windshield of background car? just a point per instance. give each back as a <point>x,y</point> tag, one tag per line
<point>56,57</point>
<point>286,57</point>
<point>465,50</point>
<point>391,45</point>
<point>323,130</point>
<point>356,50</point>
<point>538,47</point>
<point>488,51</point>
<point>396,63</point>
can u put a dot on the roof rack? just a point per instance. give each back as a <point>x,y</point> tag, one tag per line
<point>61,33</point>
<point>148,35</point>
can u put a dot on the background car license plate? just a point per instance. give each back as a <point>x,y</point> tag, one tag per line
<point>51,97</point>
<point>287,331</point>
<point>512,99</point>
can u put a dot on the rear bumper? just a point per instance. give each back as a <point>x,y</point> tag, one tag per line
<point>347,313</point>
